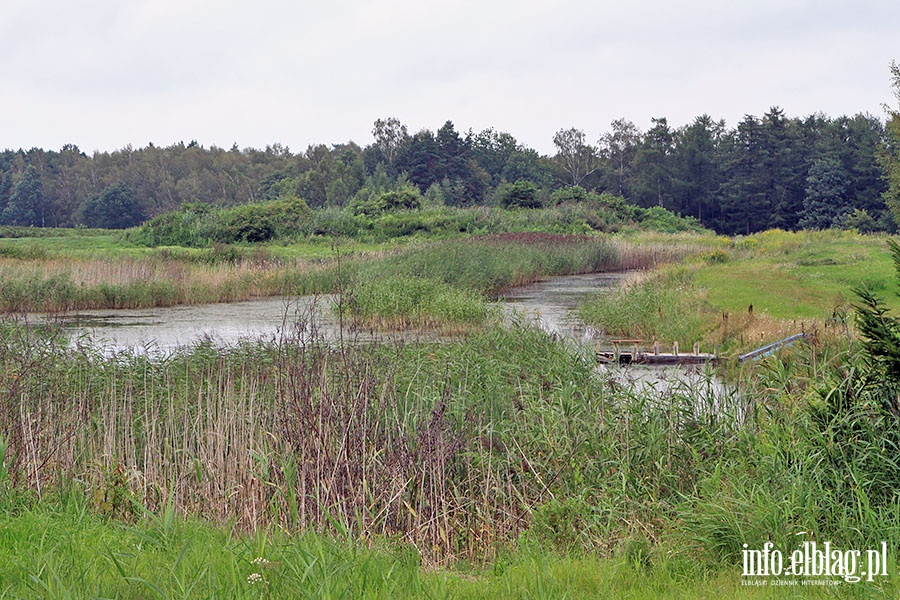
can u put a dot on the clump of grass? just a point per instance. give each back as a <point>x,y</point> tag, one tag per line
<point>662,306</point>
<point>161,279</point>
<point>415,303</point>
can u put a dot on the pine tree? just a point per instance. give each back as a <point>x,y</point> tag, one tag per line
<point>26,204</point>
<point>880,332</point>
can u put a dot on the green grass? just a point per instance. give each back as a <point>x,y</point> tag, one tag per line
<point>449,280</point>
<point>61,550</point>
<point>798,275</point>
<point>499,464</point>
<point>83,244</point>
<point>741,293</point>
<point>666,307</point>
<point>415,303</point>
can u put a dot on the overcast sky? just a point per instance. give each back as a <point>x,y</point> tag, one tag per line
<point>103,74</point>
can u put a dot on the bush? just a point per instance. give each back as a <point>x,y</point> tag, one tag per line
<point>521,194</point>
<point>406,197</point>
<point>180,228</point>
<point>198,224</point>
<point>663,220</point>
<point>246,223</point>
<point>571,193</point>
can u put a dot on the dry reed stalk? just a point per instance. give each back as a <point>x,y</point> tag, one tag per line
<point>633,256</point>
<point>311,437</point>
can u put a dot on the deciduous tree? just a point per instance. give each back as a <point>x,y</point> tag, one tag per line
<point>389,135</point>
<point>618,148</point>
<point>889,157</point>
<point>576,157</point>
<point>115,208</point>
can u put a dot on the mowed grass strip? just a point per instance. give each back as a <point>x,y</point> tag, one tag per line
<point>799,275</point>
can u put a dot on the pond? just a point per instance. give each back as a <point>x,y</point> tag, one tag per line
<point>549,304</point>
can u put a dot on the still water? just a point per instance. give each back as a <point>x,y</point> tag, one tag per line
<point>548,304</point>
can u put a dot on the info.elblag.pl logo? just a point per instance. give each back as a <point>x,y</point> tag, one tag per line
<point>812,563</point>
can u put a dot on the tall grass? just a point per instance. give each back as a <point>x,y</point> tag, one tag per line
<point>506,438</point>
<point>491,264</point>
<point>448,280</point>
<point>454,448</point>
<point>663,306</point>
<point>164,279</point>
<point>60,549</point>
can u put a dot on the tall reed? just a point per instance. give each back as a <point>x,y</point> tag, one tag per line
<point>447,281</point>
<point>56,285</point>
<point>458,449</point>
<point>455,448</point>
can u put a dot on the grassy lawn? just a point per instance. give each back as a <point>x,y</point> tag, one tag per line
<point>798,275</point>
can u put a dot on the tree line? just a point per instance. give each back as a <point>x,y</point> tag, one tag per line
<point>769,171</point>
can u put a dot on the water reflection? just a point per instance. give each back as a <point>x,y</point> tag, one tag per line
<point>550,304</point>
<point>164,330</point>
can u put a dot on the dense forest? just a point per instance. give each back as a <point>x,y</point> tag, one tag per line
<point>772,171</point>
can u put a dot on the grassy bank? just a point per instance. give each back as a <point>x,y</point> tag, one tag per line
<point>790,275</point>
<point>59,549</point>
<point>742,293</point>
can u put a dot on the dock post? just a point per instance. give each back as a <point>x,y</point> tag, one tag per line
<point>655,348</point>
<point>675,348</point>
<point>696,348</point>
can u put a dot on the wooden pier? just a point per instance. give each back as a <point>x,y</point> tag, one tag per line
<point>627,352</point>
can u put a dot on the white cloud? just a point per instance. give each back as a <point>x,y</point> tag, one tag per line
<point>107,73</point>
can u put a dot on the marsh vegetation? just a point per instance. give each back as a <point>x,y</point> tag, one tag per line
<point>501,453</point>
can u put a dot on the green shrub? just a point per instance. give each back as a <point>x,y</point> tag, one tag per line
<point>521,194</point>
<point>657,218</point>
<point>406,197</point>
<point>246,223</point>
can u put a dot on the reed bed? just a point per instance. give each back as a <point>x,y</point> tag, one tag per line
<point>457,449</point>
<point>58,285</point>
<point>482,265</point>
<point>448,282</point>
<point>505,438</point>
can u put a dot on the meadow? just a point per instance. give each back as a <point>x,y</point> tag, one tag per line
<point>735,294</point>
<point>499,463</point>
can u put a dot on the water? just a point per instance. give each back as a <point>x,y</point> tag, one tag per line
<point>164,330</point>
<point>548,304</point>
<point>551,304</point>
